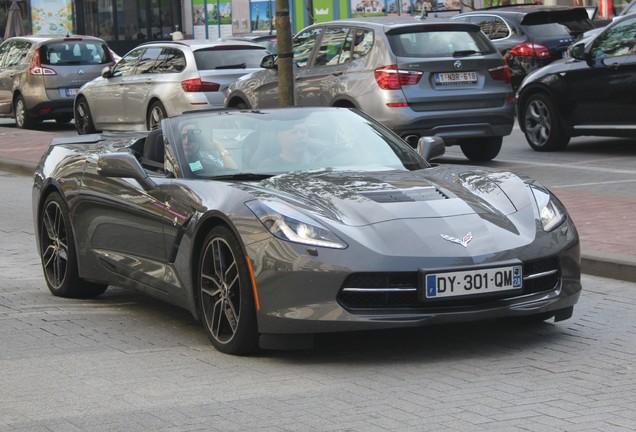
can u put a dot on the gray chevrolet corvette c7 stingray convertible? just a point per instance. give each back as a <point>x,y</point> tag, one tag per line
<point>271,226</point>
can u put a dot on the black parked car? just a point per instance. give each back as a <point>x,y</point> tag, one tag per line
<point>592,93</point>
<point>530,36</point>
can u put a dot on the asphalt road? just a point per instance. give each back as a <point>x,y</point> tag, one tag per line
<point>125,362</point>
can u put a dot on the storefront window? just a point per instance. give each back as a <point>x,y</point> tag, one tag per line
<point>125,20</point>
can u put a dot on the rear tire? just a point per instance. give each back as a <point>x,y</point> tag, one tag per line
<point>22,118</point>
<point>83,118</point>
<point>481,149</point>
<point>156,113</point>
<point>226,298</point>
<point>57,251</point>
<point>542,124</point>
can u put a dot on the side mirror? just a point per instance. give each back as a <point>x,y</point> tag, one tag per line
<point>577,51</point>
<point>123,165</point>
<point>431,147</point>
<point>269,62</point>
<point>107,72</point>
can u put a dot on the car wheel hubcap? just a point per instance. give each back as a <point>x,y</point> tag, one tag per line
<point>156,115</point>
<point>54,245</point>
<point>538,123</point>
<point>82,116</point>
<point>220,290</point>
<point>19,113</point>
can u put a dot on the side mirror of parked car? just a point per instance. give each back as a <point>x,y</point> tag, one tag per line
<point>269,62</point>
<point>123,165</point>
<point>107,72</point>
<point>431,147</point>
<point>577,51</point>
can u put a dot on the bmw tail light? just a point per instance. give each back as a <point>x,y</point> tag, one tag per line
<point>391,78</point>
<point>501,73</point>
<point>530,50</point>
<point>36,66</point>
<point>196,85</point>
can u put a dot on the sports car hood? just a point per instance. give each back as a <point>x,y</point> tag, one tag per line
<point>357,199</point>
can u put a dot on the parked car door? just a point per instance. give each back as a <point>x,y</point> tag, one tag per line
<point>13,56</point>
<point>110,92</point>
<point>138,85</point>
<point>318,84</point>
<point>611,72</point>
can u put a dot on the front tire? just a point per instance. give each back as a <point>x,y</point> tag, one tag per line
<point>481,149</point>
<point>226,299</point>
<point>156,113</point>
<point>542,124</point>
<point>22,118</point>
<point>57,251</point>
<point>83,118</point>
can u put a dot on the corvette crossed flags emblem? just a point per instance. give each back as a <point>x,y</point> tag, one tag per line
<point>463,241</point>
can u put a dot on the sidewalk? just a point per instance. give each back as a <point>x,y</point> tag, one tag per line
<point>606,225</point>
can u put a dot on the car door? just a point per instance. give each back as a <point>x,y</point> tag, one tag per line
<point>121,223</point>
<point>303,46</point>
<point>138,85</point>
<point>106,97</point>
<point>13,55</point>
<point>319,83</point>
<point>604,90</point>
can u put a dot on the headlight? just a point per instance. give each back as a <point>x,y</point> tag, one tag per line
<point>551,212</point>
<point>289,224</point>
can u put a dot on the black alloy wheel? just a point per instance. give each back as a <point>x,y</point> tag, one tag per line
<point>542,124</point>
<point>226,299</point>
<point>83,118</point>
<point>57,249</point>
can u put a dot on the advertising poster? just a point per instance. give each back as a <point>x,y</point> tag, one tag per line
<point>399,7</point>
<point>367,8</point>
<point>219,18</point>
<point>262,15</point>
<point>323,10</point>
<point>52,16</point>
<point>199,17</point>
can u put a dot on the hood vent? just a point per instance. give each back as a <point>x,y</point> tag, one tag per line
<point>429,193</point>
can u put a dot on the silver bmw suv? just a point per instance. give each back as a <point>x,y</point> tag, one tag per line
<point>418,77</point>
<point>40,75</point>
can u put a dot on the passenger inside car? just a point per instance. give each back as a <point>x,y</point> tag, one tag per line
<point>202,154</point>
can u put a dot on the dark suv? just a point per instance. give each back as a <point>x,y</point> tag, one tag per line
<point>40,75</point>
<point>591,93</point>
<point>530,36</point>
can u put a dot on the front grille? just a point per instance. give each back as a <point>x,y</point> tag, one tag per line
<point>398,290</point>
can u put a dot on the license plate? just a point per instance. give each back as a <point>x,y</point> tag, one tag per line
<point>71,91</point>
<point>472,282</point>
<point>455,77</point>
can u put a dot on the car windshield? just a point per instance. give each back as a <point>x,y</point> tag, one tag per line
<point>249,145</point>
<point>238,57</point>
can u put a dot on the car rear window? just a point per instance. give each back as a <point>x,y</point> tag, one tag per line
<point>74,53</point>
<point>439,43</point>
<point>556,23</point>
<point>229,58</point>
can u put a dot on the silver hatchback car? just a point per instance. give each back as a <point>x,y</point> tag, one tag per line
<point>40,75</point>
<point>163,79</point>
<point>418,77</point>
